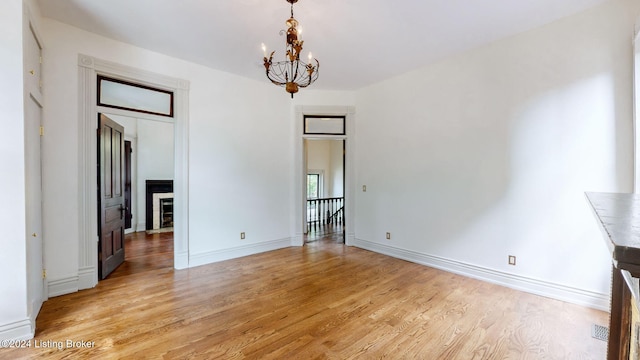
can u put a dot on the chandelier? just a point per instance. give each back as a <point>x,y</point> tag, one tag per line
<point>291,73</point>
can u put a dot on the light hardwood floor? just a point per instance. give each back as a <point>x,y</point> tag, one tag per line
<point>323,300</point>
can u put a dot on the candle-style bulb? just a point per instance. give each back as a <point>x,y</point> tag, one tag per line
<point>264,50</point>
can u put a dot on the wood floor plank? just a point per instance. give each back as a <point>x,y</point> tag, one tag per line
<point>320,301</point>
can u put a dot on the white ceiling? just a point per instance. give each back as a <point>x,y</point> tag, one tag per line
<point>358,42</point>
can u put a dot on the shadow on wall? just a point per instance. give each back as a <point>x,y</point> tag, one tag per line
<point>490,152</point>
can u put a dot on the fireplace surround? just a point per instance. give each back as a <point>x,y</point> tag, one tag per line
<point>160,192</point>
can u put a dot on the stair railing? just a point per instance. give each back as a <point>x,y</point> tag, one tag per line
<point>324,211</point>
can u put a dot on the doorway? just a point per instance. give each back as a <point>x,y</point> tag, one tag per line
<point>88,70</point>
<point>307,130</point>
<point>325,177</point>
<point>146,156</point>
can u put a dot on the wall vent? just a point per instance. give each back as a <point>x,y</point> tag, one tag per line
<point>600,332</point>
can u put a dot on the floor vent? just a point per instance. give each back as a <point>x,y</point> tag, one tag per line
<point>600,332</point>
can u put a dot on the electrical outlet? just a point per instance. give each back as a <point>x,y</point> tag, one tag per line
<point>388,236</point>
<point>512,260</point>
<point>364,188</point>
<point>242,235</point>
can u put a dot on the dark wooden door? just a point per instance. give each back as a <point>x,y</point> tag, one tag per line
<point>127,185</point>
<point>111,199</point>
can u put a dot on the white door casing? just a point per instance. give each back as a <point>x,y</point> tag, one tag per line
<point>89,68</point>
<point>300,171</point>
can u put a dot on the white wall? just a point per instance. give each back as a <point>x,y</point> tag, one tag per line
<point>311,97</point>
<point>155,159</point>
<point>13,270</point>
<point>155,150</point>
<point>337,168</point>
<point>326,156</point>
<point>319,159</point>
<point>489,153</point>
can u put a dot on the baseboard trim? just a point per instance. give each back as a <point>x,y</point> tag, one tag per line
<point>534,286</point>
<point>64,286</point>
<point>351,239</point>
<point>141,227</point>
<point>297,240</point>
<point>34,310</point>
<point>19,330</point>
<point>236,252</point>
<point>181,260</point>
<point>87,278</point>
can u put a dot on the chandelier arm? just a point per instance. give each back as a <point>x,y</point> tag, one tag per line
<point>313,76</point>
<point>309,74</point>
<point>268,63</point>
<point>274,81</point>
<point>277,82</point>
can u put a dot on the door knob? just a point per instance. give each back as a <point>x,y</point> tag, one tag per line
<point>123,210</point>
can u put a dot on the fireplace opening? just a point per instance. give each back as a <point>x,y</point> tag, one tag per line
<point>166,213</point>
<point>162,211</point>
<point>159,205</point>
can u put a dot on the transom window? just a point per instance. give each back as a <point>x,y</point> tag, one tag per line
<point>324,125</point>
<point>120,94</point>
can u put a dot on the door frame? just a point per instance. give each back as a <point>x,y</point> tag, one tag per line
<point>636,110</point>
<point>321,180</point>
<point>300,172</point>
<point>88,70</point>
<point>128,178</point>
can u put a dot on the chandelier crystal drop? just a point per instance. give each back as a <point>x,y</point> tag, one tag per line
<point>292,73</point>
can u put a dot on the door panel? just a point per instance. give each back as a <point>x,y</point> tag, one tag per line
<point>111,199</point>
<point>36,284</point>
<point>33,56</point>
<point>33,118</point>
